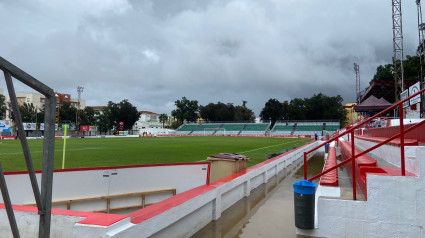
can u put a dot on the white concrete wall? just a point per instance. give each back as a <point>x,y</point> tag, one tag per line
<point>391,154</point>
<point>179,221</point>
<point>395,208</point>
<point>186,219</point>
<point>102,182</point>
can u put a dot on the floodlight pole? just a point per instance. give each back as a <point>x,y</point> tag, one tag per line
<point>79,91</point>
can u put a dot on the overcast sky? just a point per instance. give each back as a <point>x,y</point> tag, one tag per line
<point>153,52</point>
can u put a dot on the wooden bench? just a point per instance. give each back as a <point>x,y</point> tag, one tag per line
<point>108,200</point>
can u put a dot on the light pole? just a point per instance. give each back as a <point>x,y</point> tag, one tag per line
<point>79,91</point>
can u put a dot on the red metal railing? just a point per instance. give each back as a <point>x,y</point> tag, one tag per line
<point>351,130</point>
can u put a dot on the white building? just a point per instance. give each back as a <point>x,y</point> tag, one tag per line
<point>38,100</point>
<point>149,122</point>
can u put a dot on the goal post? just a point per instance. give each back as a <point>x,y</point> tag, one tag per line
<point>214,131</point>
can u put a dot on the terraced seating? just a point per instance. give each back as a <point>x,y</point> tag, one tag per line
<point>332,127</point>
<point>186,129</point>
<point>363,160</point>
<point>233,129</point>
<point>282,129</point>
<point>308,129</point>
<point>331,178</point>
<point>210,126</point>
<point>255,129</point>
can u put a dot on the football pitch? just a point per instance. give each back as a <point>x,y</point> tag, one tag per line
<point>84,152</point>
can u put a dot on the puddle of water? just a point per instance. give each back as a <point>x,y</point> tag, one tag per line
<point>267,212</point>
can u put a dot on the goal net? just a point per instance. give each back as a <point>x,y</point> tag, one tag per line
<point>214,131</point>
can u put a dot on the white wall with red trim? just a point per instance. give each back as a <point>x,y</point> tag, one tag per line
<point>179,216</point>
<point>96,182</point>
<point>395,208</point>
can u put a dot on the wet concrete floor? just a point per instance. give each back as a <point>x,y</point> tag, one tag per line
<point>267,212</point>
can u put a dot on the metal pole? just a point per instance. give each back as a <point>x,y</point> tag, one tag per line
<point>305,165</point>
<point>8,205</point>
<point>23,139</point>
<point>353,165</point>
<point>403,169</point>
<point>47,166</point>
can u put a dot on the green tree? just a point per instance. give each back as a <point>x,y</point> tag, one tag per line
<point>242,113</point>
<point>297,109</point>
<point>3,107</point>
<point>128,114</point>
<point>273,111</point>
<point>28,112</point>
<point>175,124</point>
<point>103,122</point>
<point>40,115</point>
<point>163,118</point>
<point>217,112</point>
<point>317,107</point>
<point>87,116</point>
<point>186,110</point>
<point>383,73</point>
<point>67,112</point>
<point>115,112</point>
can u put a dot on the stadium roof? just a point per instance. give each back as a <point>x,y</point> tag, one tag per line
<point>372,104</point>
<point>148,112</point>
<point>380,90</point>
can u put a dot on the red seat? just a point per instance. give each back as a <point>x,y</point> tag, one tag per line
<point>330,178</point>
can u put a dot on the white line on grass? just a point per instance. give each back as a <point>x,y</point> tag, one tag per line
<point>290,142</point>
<point>40,151</point>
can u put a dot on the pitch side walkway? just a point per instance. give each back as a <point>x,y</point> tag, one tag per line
<point>267,212</point>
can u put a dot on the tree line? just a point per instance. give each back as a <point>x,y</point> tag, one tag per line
<point>106,119</point>
<point>318,107</point>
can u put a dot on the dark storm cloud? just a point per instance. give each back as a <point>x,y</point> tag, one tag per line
<point>154,52</point>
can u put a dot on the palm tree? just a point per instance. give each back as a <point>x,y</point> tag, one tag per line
<point>163,118</point>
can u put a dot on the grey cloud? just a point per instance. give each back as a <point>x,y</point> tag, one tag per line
<point>153,52</point>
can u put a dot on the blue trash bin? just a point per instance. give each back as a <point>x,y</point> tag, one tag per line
<point>304,195</point>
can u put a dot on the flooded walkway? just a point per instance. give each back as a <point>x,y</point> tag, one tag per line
<point>267,212</point>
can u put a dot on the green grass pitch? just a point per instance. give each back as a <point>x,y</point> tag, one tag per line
<point>82,153</point>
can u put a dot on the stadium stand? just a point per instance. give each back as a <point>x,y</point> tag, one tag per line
<point>255,129</point>
<point>308,128</point>
<point>186,129</point>
<point>207,129</point>
<point>332,126</point>
<point>233,128</point>
<point>282,129</point>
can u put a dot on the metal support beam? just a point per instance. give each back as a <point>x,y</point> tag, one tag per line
<point>8,205</point>
<point>47,166</point>
<point>421,51</point>
<point>23,139</point>
<point>43,199</point>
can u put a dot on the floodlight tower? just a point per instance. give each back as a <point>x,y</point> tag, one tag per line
<point>398,69</point>
<point>421,28</point>
<point>79,91</point>
<point>357,70</point>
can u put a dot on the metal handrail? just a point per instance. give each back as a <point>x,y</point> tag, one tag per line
<point>354,156</point>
